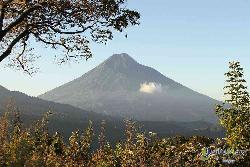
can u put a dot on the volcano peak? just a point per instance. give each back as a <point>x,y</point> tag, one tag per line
<point>120,60</point>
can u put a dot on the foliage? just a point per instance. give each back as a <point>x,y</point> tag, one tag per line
<point>35,147</point>
<point>65,24</point>
<point>236,117</point>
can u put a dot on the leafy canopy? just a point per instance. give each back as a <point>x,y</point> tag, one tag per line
<point>236,117</point>
<point>66,24</point>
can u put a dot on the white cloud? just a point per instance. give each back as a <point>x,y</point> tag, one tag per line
<point>150,88</point>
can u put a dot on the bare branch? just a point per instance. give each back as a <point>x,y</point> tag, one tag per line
<point>18,58</point>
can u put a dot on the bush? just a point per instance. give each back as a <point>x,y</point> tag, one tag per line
<point>35,147</point>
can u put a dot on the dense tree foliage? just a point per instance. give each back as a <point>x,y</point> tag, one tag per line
<point>65,24</point>
<point>36,147</point>
<point>236,117</point>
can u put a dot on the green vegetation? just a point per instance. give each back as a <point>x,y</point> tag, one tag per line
<point>236,118</point>
<point>34,146</point>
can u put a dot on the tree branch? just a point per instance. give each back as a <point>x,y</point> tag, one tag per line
<point>51,43</point>
<point>3,6</point>
<point>7,52</point>
<point>70,32</point>
<point>21,18</point>
<point>1,18</point>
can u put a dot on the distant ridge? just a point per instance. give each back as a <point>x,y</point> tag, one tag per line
<point>3,89</point>
<point>121,87</point>
<point>66,119</point>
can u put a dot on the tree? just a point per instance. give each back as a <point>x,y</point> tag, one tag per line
<point>236,117</point>
<point>68,25</point>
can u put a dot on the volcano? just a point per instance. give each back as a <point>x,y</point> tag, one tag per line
<point>121,87</point>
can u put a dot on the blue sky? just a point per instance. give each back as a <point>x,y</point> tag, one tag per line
<point>189,41</point>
